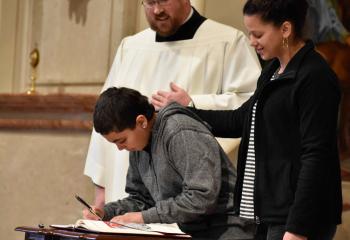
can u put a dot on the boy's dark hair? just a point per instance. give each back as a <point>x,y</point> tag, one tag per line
<point>117,109</point>
<point>279,11</point>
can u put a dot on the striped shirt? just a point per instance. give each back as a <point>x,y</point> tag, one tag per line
<point>246,208</point>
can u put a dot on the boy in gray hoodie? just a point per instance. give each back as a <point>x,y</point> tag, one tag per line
<point>178,173</point>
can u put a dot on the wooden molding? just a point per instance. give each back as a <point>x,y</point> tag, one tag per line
<point>52,111</point>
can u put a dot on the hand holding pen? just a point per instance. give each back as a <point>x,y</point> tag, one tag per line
<point>91,212</point>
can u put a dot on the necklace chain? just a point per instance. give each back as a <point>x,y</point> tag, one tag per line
<point>275,74</point>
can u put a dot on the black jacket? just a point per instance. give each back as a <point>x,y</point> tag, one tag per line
<point>297,179</point>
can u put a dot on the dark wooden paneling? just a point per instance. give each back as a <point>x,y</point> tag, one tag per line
<point>52,111</point>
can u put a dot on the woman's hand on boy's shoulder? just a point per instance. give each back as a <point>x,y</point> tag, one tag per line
<point>292,236</point>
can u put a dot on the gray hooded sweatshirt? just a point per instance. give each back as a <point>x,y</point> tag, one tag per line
<point>182,177</point>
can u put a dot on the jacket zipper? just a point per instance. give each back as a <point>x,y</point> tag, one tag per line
<point>256,210</point>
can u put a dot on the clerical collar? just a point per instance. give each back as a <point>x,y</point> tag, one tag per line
<point>189,15</point>
<point>186,31</point>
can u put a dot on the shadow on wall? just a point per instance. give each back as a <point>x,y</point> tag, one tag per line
<point>78,10</point>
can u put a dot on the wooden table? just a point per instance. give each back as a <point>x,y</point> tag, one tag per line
<point>32,233</point>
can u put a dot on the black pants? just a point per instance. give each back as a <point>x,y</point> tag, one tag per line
<point>276,232</point>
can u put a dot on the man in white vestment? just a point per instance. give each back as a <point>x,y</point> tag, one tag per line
<point>182,57</point>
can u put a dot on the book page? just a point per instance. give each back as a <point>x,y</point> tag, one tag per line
<point>64,226</point>
<point>107,227</point>
<point>165,228</point>
<point>100,226</point>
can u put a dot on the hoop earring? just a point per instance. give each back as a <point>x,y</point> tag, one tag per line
<point>285,42</point>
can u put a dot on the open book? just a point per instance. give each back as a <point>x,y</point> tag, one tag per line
<point>121,228</point>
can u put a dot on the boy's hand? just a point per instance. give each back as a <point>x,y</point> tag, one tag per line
<point>88,215</point>
<point>131,217</point>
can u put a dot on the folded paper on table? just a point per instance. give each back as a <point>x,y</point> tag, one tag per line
<point>107,227</point>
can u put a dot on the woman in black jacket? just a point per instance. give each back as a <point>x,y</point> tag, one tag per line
<point>288,166</point>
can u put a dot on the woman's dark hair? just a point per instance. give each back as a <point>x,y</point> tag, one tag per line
<point>279,11</point>
<point>117,109</point>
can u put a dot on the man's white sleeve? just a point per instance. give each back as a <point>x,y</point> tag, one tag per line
<point>97,156</point>
<point>240,74</point>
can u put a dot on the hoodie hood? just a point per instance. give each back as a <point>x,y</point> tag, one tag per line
<point>175,108</point>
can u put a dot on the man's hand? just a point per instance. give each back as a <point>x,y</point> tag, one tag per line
<point>292,236</point>
<point>88,215</point>
<point>177,94</point>
<point>131,217</point>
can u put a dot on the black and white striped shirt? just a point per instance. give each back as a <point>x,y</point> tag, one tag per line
<point>247,201</point>
<point>246,208</point>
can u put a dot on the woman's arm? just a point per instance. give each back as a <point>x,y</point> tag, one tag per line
<point>317,102</point>
<point>225,123</point>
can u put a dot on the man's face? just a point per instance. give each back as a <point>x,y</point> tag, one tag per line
<point>167,17</point>
<point>129,139</point>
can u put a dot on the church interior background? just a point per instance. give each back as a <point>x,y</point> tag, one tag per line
<point>54,58</point>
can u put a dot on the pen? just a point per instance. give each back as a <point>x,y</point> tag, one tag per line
<point>88,206</point>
